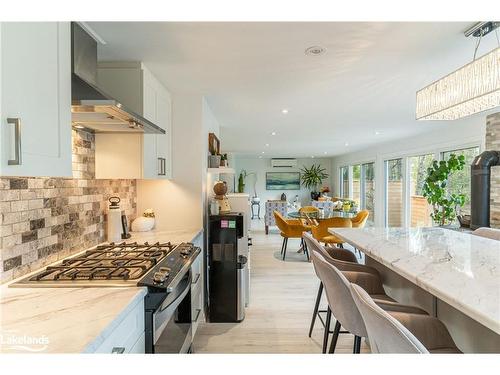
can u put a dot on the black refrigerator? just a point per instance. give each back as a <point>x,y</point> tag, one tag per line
<point>226,269</point>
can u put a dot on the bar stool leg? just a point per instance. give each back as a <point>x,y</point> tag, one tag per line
<point>327,329</point>
<point>357,345</point>
<point>282,246</point>
<point>336,332</point>
<point>316,308</point>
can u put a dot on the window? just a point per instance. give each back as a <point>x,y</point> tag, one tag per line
<point>368,190</point>
<point>356,184</point>
<point>420,210</point>
<point>344,182</point>
<point>459,182</point>
<point>394,193</point>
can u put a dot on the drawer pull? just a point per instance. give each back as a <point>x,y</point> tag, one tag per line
<point>17,141</point>
<point>118,350</point>
<point>197,316</point>
<point>196,279</point>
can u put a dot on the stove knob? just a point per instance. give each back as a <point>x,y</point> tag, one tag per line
<point>159,277</point>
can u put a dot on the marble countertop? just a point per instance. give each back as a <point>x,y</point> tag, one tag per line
<point>70,320</point>
<point>459,268</point>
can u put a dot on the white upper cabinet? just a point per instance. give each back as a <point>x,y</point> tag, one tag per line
<point>35,100</point>
<point>134,85</point>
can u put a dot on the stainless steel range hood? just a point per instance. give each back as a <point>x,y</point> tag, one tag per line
<point>92,108</point>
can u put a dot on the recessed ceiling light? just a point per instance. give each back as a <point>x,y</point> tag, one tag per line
<point>325,152</point>
<point>315,51</point>
<point>273,133</point>
<point>267,144</point>
<point>284,111</point>
<point>263,152</point>
<point>346,144</point>
<point>312,157</point>
<point>377,133</point>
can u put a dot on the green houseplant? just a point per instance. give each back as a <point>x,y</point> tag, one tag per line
<point>311,178</point>
<point>241,181</point>
<point>444,204</point>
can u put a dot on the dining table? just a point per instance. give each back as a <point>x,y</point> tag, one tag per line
<point>322,214</point>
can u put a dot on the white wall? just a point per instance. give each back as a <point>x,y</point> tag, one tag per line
<point>451,136</point>
<point>261,166</point>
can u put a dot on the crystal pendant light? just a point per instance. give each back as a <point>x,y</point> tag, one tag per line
<point>473,88</point>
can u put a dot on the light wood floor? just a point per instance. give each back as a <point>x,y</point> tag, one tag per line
<point>281,303</point>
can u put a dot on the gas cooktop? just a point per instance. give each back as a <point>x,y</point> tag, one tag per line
<point>123,264</point>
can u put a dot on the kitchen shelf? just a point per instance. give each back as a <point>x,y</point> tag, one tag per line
<point>225,170</point>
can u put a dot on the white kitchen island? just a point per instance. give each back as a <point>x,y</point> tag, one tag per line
<point>453,275</point>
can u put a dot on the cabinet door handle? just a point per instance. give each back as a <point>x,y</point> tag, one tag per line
<point>17,141</point>
<point>118,350</point>
<point>162,164</point>
<point>198,312</point>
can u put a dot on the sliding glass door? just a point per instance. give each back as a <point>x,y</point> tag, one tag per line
<point>394,193</point>
<point>459,181</point>
<point>420,210</point>
<point>368,190</point>
<point>356,184</point>
<point>344,182</point>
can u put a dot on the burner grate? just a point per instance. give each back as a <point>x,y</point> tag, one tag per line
<point>124,261</point>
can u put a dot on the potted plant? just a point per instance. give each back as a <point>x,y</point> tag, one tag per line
<point>223,160</point>
<point>241,181</point>
<point>214,159</point>
<point>444,204</point>
<point>312,177</point>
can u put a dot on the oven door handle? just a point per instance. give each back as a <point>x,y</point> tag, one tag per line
<point>177,299</point>
<point>166,311</point>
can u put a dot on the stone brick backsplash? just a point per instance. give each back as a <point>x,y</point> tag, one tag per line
<point>493,143</point>
<point>46,219</point>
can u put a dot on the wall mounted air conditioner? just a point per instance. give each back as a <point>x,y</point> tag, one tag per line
<point>284,163</point>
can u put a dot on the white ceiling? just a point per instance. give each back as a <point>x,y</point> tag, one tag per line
<point>364,83</point>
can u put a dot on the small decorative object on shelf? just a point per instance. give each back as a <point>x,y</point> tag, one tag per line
<point>223,160</point>
<point>144,223</point>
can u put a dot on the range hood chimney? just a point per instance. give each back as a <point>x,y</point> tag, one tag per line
<point>92,108</point>
<point>480,188</point>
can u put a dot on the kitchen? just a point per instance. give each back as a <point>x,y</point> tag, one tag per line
<point>107,205</point>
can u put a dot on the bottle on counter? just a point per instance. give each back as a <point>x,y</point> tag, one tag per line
<point>114,233</point>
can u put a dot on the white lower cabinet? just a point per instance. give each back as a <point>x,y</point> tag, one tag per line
<point>197,293</point>
<point>128,336</point>
<point>35,105</point>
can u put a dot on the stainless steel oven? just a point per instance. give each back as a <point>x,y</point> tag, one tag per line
<point>168,323</point>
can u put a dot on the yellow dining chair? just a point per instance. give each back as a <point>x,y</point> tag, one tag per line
<point>359,220</point>
<point>290,228</point>
<point>308,210</point>
<point>321,234</point>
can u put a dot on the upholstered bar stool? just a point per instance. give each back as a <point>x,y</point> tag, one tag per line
<point>340,302</point>
<point>393,332</point>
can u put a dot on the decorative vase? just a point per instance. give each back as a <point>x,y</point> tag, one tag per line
<point>214,161</point>
<point>315,195</point>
